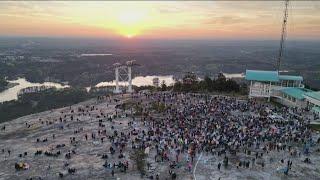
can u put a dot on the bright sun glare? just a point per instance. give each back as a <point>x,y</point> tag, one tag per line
<point>130,23</point>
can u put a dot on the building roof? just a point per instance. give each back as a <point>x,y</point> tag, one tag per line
<point>269,76</point>
<point>296,92</point>
<point>287,77</point>
<point>314,95</point>
<point>256,75</point>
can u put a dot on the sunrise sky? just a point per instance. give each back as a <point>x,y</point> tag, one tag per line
<point>163,19</point>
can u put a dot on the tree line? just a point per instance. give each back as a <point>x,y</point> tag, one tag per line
<point>190,83</point>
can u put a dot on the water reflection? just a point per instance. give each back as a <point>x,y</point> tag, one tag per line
<point>141,81</point>
<point>84,55</point>
<point>233,75</point>
<point>12,93</point>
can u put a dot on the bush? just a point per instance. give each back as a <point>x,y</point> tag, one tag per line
<point>139,158</point>
<point>3,83</point>
<point>221,84</point>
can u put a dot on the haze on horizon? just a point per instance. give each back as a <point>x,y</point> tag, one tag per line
<point>159,20</point>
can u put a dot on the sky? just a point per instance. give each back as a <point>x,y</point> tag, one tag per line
<point>160,19</point>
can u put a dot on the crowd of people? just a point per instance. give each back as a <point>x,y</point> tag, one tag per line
<point>189,125</point>
<point>197,123</point>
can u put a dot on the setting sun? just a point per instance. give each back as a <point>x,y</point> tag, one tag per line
<point>129,36</point>
<point>130,22</point>
<point>129,32</point>
<point>170,20</point>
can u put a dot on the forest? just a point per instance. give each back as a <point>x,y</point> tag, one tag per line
<point>3,84</point>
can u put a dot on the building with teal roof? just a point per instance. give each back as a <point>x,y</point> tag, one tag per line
<point>313,101</point>
<point>296,93</point>
<point>263,76</point>
<point>314,95</point>
<point>293,78</point>
<point>268,83</point>
<point>292,96</point>
<point>285,89</point>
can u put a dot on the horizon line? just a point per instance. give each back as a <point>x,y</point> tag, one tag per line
<point>156,39</point>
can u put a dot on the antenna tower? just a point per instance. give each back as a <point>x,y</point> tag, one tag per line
<point>283,34</point>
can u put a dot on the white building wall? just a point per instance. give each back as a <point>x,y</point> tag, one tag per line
<point>312,101</point>
<point>290,103</point>
<point>258,89</point>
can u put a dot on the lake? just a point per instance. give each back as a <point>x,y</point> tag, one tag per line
<point>88,55</point>
<point>12,93</point>
<point>141,81</point>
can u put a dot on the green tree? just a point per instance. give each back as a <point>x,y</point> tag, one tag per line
<point>177,86</point>
<point>208,84</point>
<point>163,86</point>
<point>3,83</point>
<point>139,158</point>
<point>231,85</point>
<point>191,84</point>
<point>220,82</point>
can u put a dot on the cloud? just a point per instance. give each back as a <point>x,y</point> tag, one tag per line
<point>225,20</point>
<point>182,17</point>
<point>169,9</point>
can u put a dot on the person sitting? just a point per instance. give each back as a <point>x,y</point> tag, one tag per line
<point>286,171</point>
<point>21,166</point>
<point>106,164</point>
<point>38,152</point>
<point>17,166</point>
<point>121,156</point>
<point>104,156</point>
<point>112,151</point>
<point>71,170</point>
<point>307,160</point>
<point>173,175</point>
<point>173,164</point>
<point>60,175</point>
<point>68,156</point>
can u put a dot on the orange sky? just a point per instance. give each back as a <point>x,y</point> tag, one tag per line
<point>163,19</point>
